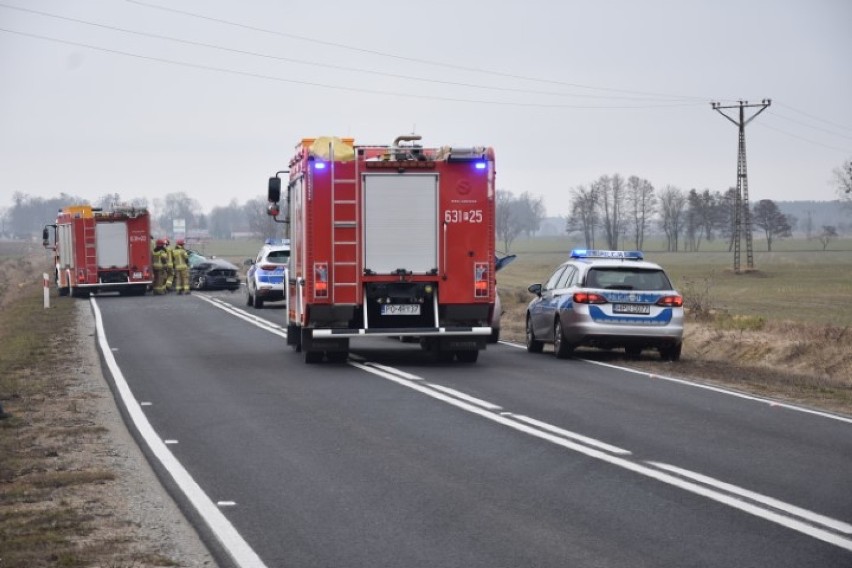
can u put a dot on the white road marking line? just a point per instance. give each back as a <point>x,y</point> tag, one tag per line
<point>252,319</point>
<point>828,522</point>
<point>170,442</point>
<point>144,404</point>
<point>568,434</point>
<point>635,467</point>
<point>226,503</point>
<point>724,391</point>
<point>458,394</point>
<point>231,540</point>
<point>512,421</point>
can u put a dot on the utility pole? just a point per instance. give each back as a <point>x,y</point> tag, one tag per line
<point>742,211</point>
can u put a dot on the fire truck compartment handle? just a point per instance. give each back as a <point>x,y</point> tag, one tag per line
<point>445,251</point>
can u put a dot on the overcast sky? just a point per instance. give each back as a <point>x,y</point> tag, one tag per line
<point>209,97</point>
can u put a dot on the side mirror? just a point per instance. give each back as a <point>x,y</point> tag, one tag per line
<point>274,193</point>
<point>248,262</point>
<point>45,237</point>
<point>535,289</point>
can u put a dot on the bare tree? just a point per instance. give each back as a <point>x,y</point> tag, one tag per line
<point>611,193</point>
<point>530,212</point>
<point>641,201</point>
<point>775,225</point>
<point>260,223</point>
<point>177,206</point>
<point>507,227</point>
<point>672,205</point>
<point>584,214</point>
<point>828,232</point>
<point>843,180</point>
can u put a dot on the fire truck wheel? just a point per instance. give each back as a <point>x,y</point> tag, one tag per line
<point>77,293</point>
<point>337,356</point>
<point>312,357</point>
<point>495,335</point>
<point>467,356</point>
<point>63,291</point>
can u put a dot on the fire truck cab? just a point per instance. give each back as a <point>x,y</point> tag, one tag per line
<point>392,240</point>
<point>98,251</point>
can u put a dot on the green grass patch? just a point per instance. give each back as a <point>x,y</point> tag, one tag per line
<point>792,283</point>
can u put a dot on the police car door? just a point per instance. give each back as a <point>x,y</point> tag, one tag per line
<point>543,312</point>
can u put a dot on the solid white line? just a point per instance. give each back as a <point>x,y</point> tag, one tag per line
<point>259,322</point>
<point>568,434</point>
<point>716,389</point>
<point>725,391</point>
<point>639,468</point>
<point>828,522</point>
<point>222,529</point>
<point>458,394</point>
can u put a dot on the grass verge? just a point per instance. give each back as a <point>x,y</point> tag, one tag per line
<point>55,507</point>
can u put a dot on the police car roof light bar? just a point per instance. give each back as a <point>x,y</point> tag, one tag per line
<point>615,254</point>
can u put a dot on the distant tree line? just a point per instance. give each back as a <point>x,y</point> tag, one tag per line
<point>29,214</point>
<point>615,213</point>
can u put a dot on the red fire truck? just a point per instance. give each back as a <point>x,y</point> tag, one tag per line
<point>97,251</point>
<point>394,240</point>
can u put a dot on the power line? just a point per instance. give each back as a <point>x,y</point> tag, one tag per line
<point>327,65</point>
<point>410,59</point>
<point>338,87</point>
<point>806,125</point>
<point>803,113</point>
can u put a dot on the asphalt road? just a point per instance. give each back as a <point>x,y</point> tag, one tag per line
<point>519,460</point>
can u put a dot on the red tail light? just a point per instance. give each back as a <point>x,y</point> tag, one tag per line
<point>268,266</point>
<point>589,298</point>
<point>321,280</point>
<point>671,301</point>
<point>480,283</point>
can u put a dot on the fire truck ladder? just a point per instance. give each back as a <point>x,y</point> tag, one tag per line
<point>90,253</point>
<point>344,238</point>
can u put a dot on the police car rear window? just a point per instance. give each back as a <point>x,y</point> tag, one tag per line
<point>278,255</point>
<point>627,279</point>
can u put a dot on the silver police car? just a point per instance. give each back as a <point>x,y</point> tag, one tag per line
<point>606,299</point>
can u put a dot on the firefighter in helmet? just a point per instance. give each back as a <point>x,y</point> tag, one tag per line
<point>180,258</point>
<point>170,268</point>
<point>159,260</point>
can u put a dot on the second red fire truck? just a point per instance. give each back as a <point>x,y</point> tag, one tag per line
<point>389,240</point>
<point>97,251</point>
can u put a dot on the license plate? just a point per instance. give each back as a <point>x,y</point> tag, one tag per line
<point>230,280</point>
<point>137,276</point>
<point>643,309</point>
<point>400,309</point>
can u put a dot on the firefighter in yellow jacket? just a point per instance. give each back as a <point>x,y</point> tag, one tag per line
<point>159,260</point>
<point>180,258</point>
<point>170,268</point>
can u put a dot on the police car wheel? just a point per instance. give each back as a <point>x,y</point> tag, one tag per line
<point>671,353</point>
<point>533,345</point>
<point>561,348</point>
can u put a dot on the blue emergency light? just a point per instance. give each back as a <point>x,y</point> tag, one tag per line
<point>480,165</point>
<point>277,242</point>
<point>319,165</point>
<point>615,254</point>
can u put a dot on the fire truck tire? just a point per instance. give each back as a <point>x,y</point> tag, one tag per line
<point>337,356</point>
<point>312,357</point>
<point>63,291</point>
<point>467,356</point>
<point>495,336</point>
<point>77,293</point>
